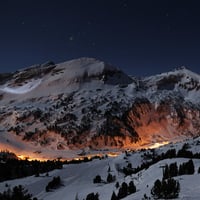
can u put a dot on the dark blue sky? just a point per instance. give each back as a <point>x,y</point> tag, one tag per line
<point>142,37</point>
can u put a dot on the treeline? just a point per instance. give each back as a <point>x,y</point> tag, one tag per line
<point>124,190</point>
<point>13,168</point>
<point>84,159</point>
<point>166,189</point>
<point>173,170</point>
<point>154,158</point>
<point>92,196</point>
<point>17,193</point>
<point>169,188</point>
<point>5,155</point>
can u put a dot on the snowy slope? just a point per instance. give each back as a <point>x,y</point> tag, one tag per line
<point>28,87</point>
<point>78,178</point>
<point>181,80</point>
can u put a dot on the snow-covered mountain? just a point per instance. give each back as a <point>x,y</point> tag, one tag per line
<point>56,110</point>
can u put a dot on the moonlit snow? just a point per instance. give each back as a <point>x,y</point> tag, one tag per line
<point>77,179</point>
<point>22,89</point>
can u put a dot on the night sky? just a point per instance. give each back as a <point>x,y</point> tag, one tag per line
<point>142,37</point>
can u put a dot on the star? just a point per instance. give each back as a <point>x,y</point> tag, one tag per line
<point>71,38</point>
<point>124,3</point>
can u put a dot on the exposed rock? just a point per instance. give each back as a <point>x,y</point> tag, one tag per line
<point>88,103</point>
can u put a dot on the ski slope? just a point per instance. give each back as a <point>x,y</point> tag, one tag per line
<point>77,179</point>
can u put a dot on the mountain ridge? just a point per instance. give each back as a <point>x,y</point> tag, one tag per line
<point>88,104</point>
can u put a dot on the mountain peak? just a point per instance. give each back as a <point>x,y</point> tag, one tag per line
<point>66,76</point>
<point>88,69</point>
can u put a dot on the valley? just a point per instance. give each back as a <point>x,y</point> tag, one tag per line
<point>77,179</point>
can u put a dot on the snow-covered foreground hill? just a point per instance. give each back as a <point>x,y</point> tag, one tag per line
<point>77,179</point>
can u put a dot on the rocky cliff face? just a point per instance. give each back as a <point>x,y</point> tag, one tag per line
<point>87,103</point>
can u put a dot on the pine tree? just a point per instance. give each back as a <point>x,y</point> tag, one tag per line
<point>131,188</point>
<point>166,172</point>
<point>17,193</point>
<point>173,169</point>
<point>97,179</point>
<point>199,170</point>
<point>157,189</point>
<point>117,184</point>
<point>123,191</point>
<point>170,171</point>
<point>109,170</point>
<point>181,169</point>
<point>76,198</point>
<point>114,196</point>
<point>190,166</point>
<point>92,196</point>
<point>186,168</point>
<point>109,178</point>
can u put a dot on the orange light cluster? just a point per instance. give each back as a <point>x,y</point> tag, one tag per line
<point>113,154</point>
<point>24,157</point>
<point>157,145</point>
<point>90,156</point>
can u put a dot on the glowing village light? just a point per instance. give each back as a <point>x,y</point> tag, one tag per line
<point>157,145</point>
